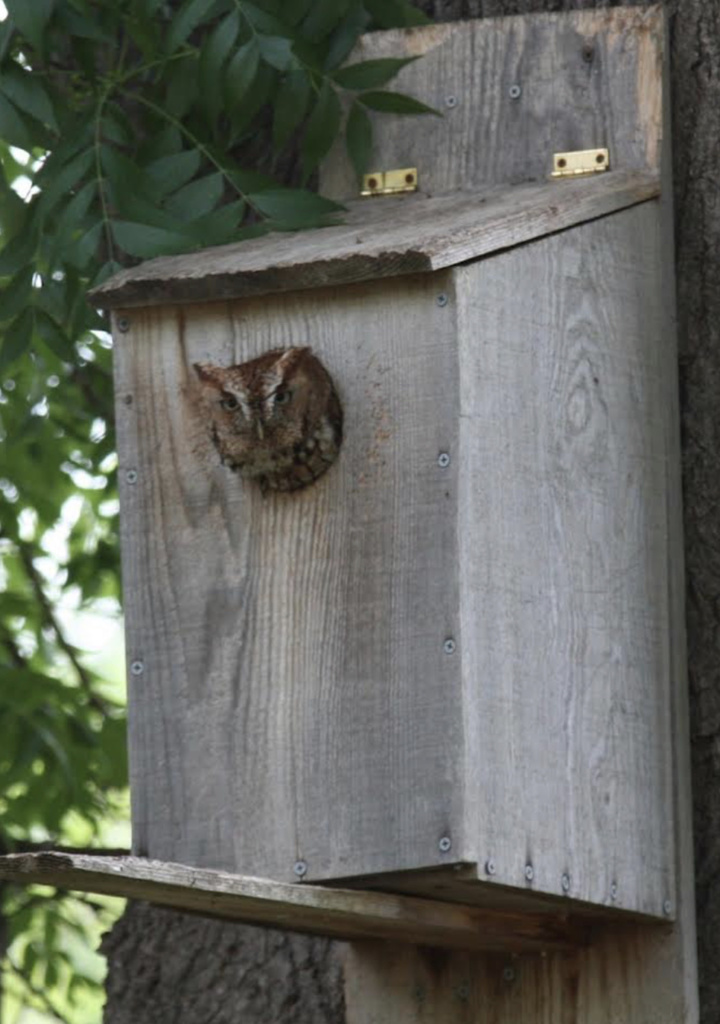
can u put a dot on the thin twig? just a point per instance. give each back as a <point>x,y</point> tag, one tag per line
<point>83,675</point>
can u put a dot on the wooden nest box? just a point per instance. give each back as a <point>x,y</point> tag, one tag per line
<point>452,664</point>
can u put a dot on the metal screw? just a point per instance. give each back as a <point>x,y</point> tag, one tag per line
<point>445,844</point>
<point>449,646</point>
<point>300,868</point>
<point>667,907</point>
<point>463,991</point>
<point>508,974</point>
<point>490,868</point>
<point>613,891</point>
<point>443,460</point>
<point>529,872</point>
<point>442,299</point>
<point>131,476</point>
<point>515,92</point>
<point>565,882</point>
<point>137,668</point>
<point>123,324</point>
<point>451,101</point>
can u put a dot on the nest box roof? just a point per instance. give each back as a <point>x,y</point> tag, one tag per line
<point>380,237</point>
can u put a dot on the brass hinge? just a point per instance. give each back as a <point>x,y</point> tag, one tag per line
<point>390,183</point>
<point>582,161</point>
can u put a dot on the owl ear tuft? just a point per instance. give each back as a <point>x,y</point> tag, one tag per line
<point>290,359</point>
<point>208,374</point>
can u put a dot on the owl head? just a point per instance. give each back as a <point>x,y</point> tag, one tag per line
<point>269,412</point>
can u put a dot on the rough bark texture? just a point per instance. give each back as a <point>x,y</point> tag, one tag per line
<point>167,967</point>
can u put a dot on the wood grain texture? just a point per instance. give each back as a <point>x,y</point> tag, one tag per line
<point>381,237</point>
<point>587,78</point>
<point>335,913</point>
<point>292,645</point>
<point>564,563</point>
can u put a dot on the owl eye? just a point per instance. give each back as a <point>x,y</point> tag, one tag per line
<point>282,397</point>
<point>229,403</point>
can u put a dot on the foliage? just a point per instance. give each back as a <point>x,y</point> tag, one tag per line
<point>130,128</point>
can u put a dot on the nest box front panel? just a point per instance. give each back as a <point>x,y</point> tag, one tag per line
<point>295,704</point>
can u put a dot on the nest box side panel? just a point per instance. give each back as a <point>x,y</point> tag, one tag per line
<point>512,92</point>
<point>565,362</point>
<point>295,707</point>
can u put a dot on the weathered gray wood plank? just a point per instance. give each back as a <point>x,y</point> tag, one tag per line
<point>295,701</point>
<point>337,913</point>
<point>564,575</point>
<point>587,78</point>
<point>382,237</point>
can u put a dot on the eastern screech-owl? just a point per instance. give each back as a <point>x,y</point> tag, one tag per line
<point>276,419</point>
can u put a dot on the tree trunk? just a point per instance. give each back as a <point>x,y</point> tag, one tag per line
<point>172,967</point>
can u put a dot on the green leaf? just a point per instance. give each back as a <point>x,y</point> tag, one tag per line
<point>321,129</point>
<point>16,295</point>
<point>173,171</point>
<point>72,216</point>
<point>31,18</point>
<point>84,249</point>
<point>18,253</point>
<point>395,103</point>
<point>28,93</point>
<point>144,241</point>
<point>198,198</point>
<point>263,21</point>
<point>219,227</point>
<point>277,52</point>
<point>370,74</point>
<point>395,13</point>
<point>322,18</point>
<point>293,207</point>
<point>15,340</point>
<point>53,335</point>
<point>346,35</point>
<point>241,71</point>
<point>13,128</point>
<point>214,53</point>
<point>358,138</point>
<point>291,101</point>
<point>190,15</point>
<point>57,181</point>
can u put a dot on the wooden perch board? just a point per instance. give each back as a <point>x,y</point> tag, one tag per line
<point>382,237</point>
<point>336,913</point>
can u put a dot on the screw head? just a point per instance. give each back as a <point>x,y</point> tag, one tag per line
<point>123,324</point>
<point>443,460</point>
<point>529,872</point>
<point>444,844</point>
<point>137,668</point>
<point>449,646</point>
<point>442,299</point>
<point>565,882</point>
<point>667,908</point>
<point>515,92</point>
<point>463,991</point>
<point>451,101</point>
<point>131,476</point>
<point>300,868</point>
<point>490,868</point>
<point>508,974</point>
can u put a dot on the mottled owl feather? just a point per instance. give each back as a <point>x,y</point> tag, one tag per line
<point>276,419</point>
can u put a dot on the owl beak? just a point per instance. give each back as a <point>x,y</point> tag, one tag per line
<point>259,429</point>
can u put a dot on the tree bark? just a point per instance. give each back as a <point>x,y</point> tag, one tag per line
<point>171,967</point>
